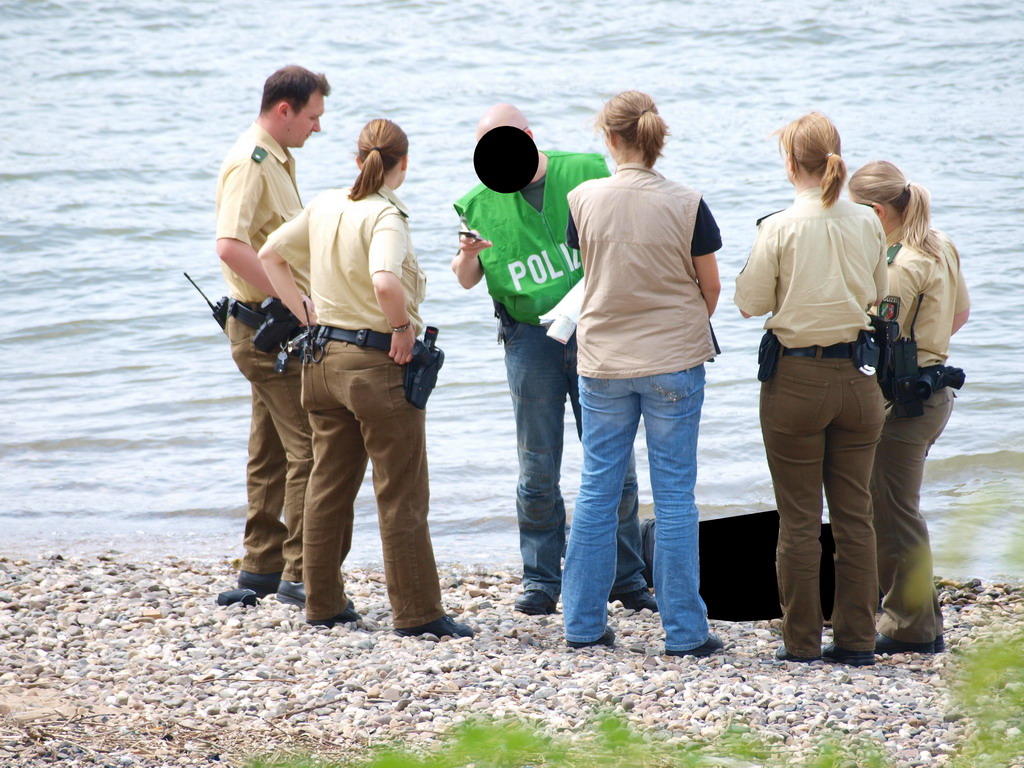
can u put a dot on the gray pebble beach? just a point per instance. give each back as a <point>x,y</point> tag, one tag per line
<point>108,661</point>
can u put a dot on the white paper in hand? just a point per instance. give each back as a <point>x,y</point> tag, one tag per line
<point>562,318</point>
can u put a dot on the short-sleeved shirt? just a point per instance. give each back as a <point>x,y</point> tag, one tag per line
<point>913,273</point>
<point>345,242</point>
<point>816,269</point>
<point>707,237</point>
<point>643,312</point>
<point>256,194</point>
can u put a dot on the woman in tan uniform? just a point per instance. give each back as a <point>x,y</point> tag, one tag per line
<point>366,288</point>
<point>929,300</point>
<point>817,267</point>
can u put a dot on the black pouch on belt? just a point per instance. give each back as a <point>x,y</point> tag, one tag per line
<point>866,354</point>
<point>768,356</point>
<point>421,372</point>
<point>277,329</point>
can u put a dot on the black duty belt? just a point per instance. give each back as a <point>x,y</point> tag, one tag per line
<point>836,350</point>
<point>245,314</point>
<point>363,338</point>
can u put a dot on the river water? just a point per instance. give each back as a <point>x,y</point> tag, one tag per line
<point>124,421</point>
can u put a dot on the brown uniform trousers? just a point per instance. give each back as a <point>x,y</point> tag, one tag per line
<point>280,459</point>
<point>358,410</point>
<point>820,420</point>
<point>910,607</point>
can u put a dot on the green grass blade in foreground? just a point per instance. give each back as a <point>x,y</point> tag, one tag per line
<point>989,689</point>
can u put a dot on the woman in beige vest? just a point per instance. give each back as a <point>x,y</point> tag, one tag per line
<point>928,298</point>
<point>817,267</point>
<point>366,289</point>
<point>651,285</point>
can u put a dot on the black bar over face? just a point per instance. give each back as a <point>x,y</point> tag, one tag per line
<point>506,159</point>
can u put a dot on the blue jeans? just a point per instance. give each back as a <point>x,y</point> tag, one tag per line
<point>670,404</point>
<point>541,374</point>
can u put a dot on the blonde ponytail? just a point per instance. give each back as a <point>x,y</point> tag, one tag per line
<point>382,145</point>
<point>917,222</point>
<point>882,183</point>
<point>633,117</point>
<point>832,181</point>
<point>812,143</point>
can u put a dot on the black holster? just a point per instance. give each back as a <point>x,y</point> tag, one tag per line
<point>885,333</point>
<point>768,356</point>
<point>278,328</point>
<point>505,321</point>
<point>421,372</point>
<point>902,383</point>
<point>866,354</point>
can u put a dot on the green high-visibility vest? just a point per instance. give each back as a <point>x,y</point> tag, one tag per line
<point>530,268</point>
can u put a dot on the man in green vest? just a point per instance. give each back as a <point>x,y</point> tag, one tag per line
<point>521,251</point>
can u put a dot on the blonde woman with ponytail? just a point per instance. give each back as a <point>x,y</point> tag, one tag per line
<point>644,334</point>
<point>366,289</point>
<point>928,298</point>
<point>817,267</point>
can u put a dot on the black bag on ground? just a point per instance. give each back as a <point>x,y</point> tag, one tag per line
<point>738,580</point>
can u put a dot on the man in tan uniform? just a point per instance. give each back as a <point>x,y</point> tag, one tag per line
<point>256,193</point>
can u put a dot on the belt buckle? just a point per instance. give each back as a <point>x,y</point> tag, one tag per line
<point>361,337</point>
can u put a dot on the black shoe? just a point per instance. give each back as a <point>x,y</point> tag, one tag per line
<point>232,596</point>
<point>784,655</point>
<point>348,616</point>
<point>939,646</point>
<point>291,593</point>
<point>535,602</point>
<point>446,626</point>
<point>833,652</point>
<point>636,600</point>
<point>261,583</point>
<point>890,645</point>
<point>709,646</point>
<point>608,638</point>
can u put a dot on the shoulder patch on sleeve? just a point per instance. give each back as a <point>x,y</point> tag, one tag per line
<point>889,308</point>
<point>768,216</point>
<point>259,154</point>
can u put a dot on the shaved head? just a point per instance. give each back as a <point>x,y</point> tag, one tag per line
<point>500,115</point>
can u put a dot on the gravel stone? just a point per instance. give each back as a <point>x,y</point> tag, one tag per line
<point>135,663</point>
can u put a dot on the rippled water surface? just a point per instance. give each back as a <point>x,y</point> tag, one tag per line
<point>124,421</point>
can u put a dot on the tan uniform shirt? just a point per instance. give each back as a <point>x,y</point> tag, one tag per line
<point>816,269</point>
<point>643,313</point>
<point>913,273</point>
<point>256,194</point>
<point>345,242</point>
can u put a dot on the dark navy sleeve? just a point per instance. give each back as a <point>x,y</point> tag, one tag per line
<point>706,237</point>
<point>572,237</point>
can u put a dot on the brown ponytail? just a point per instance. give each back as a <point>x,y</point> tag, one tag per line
<point>633,117</point>
<point>812,144</point>
<point>382,145</point>
<point>883,183</point>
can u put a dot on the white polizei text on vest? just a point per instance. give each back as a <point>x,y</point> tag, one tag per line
<point>540,267</point>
